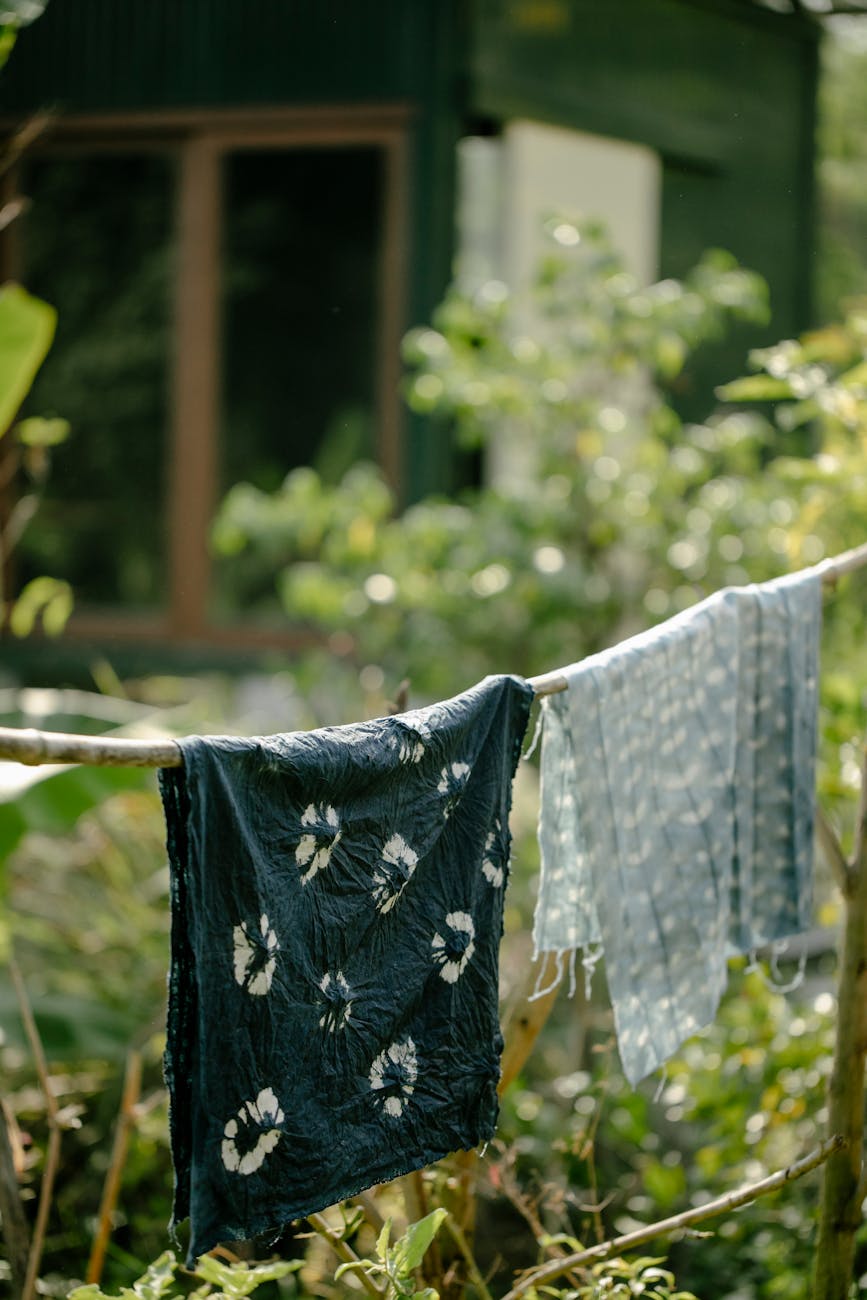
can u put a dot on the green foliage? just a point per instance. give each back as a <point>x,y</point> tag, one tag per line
<point>26,330</point>
<point>619,1279</point>
<point>15,14</point>
<point>740,1100</point>
<point>232,1281</point>
<point>49,597</point>
<point>39,432</point>
<point>619,515</point>
<point>397,1263</point>
<point>509,575</point>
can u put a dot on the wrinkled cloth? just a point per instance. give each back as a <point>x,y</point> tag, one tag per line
<point>677,804</point>
<point>337,902</point>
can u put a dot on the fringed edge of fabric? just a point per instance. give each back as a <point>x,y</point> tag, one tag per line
<point>592,955</point>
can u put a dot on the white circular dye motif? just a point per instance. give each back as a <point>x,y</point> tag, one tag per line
<point>454,950</point>
<point>393,1075</point>
<point>316,846</point>
<point>396,866</point>
<point>255,1117</point>
<point>255,956</point>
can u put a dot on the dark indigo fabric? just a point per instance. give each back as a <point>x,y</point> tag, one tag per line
<point>337,901</point>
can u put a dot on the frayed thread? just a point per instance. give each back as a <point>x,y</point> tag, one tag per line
<point>589,961</point>
<point>539,992</point>
<point>660,1087</point>
<point>775,982</point>
<point>537,734</point>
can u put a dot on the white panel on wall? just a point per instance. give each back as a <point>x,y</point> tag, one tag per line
<point>549,168</point>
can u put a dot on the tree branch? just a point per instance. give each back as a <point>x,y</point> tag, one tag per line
<point>345,1252</point>
<point>630,1240</point>
<point>464,1247</point>
<point>840,1213</point>
<point>829,842</point>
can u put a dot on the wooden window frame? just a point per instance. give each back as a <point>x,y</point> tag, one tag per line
<point>200,139</point>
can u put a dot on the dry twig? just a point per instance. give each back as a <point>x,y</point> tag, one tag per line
<point>463,1246</point>
<point>126,1119</point>
<point>16,1233</point>
<point>344,1251</point>
<point>676,1222</point>
<point>52,1156</point>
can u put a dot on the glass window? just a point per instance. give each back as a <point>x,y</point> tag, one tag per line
<point>300,275</point>
<point>97,243</point>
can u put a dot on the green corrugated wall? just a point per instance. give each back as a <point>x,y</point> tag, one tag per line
<point>722,89</point>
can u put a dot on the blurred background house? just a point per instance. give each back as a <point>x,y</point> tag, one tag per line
<point>238,209</point>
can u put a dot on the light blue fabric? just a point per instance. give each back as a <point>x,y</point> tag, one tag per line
<point>676,819</point>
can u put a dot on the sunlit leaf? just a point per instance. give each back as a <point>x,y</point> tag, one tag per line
<point>241,1279</point>
<point>49,597</point>
<point>755,388</point>
<point>410,1250</point>
<point>21,12</point>
<point>382,1241</point>
<point>26,331</point>
<point>39,432</point>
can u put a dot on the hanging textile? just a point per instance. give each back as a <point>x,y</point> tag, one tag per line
<point>677,802</point>
<point>337,901</point>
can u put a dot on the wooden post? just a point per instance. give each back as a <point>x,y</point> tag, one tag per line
<point>193,461</point>
<point>843,1185</point>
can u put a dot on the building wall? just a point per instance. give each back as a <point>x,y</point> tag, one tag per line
<point>721,90</point>
<point>708,104</point>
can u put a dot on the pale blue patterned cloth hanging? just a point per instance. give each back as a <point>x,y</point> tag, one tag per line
<point>677,805</point>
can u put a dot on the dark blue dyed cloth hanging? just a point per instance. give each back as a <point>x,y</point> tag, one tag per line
<point>337,901</point>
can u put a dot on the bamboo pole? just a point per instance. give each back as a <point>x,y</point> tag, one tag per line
<point>34,748</point>
<point>830,571</point>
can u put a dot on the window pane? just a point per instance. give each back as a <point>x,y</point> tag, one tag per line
<point>97,243</point>
<point>299,302</point>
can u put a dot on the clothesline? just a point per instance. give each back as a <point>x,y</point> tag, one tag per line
<point>33,747</point>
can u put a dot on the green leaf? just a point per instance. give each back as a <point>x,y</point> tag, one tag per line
<point>7,42</point>
<point>382,1241</point>
<point>26,331</point>
<point>671,353</point>
<point>49,596</point>
<point>158,1277</point>
<point>153,1285</point>
<point>51,801</point>
<point>410,1250</point>
<point>39,432</point>
<point>238,1280</point>
<point>356,1266</point>
<point>20,13</point>
<point>71,1028</point>
<point>854,378</point>
<point>755,388</point>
